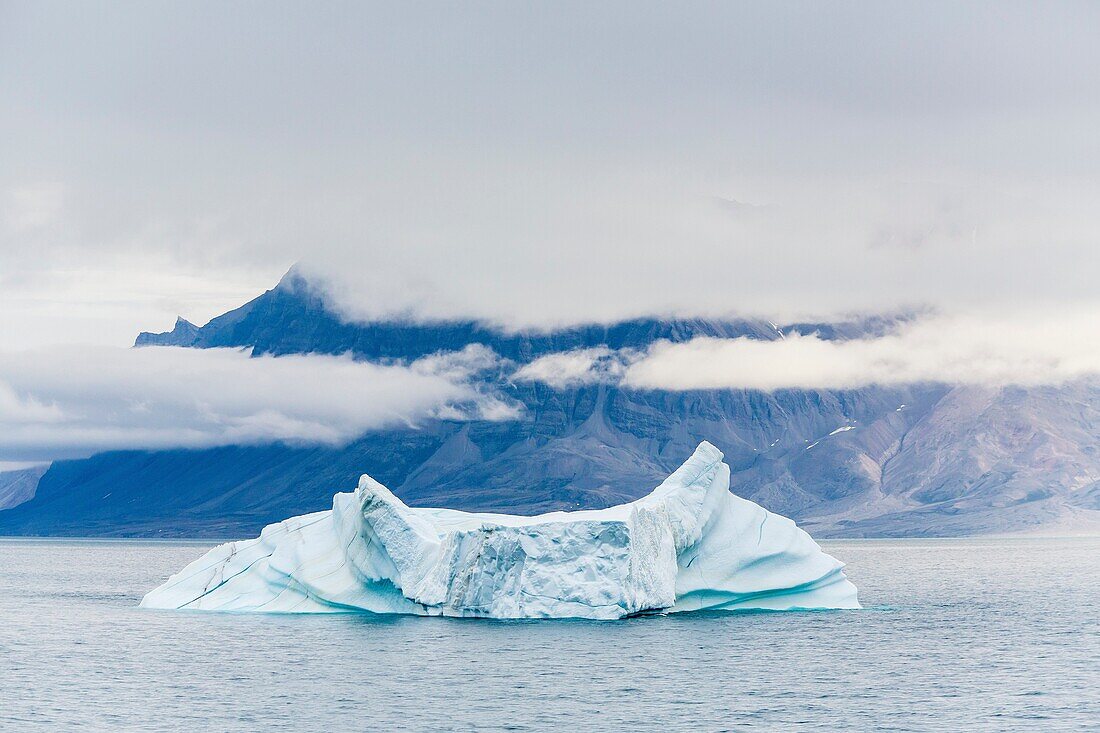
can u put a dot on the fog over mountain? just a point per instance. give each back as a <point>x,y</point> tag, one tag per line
<point>540,252</point>
<point>546,166</point>
<point>927,458</point>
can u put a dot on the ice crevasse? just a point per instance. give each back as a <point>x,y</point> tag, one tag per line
<point>690,545</point>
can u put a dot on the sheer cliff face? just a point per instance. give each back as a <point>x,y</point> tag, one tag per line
<point>924,460</point>
<point>18,486</point>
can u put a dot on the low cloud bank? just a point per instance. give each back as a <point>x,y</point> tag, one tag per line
<point>973,349</point>
<point>74,401</point>
<point>65,402</point>
<point>573,368</point>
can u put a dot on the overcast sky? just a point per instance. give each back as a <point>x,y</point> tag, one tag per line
<point>536,164</point>
<point>540,164</point>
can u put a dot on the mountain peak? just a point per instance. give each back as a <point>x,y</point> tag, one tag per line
<point>184,333</point>
<point>295,282</point>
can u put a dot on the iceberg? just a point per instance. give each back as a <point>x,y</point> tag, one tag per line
<point>690,545</point>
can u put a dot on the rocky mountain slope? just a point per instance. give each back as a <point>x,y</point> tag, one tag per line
<point>17,487</point>
<point>922,460</point>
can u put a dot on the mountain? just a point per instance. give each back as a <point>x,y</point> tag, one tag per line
<point>19,486</point>
<point>293,318</point>
<point>184,333</point>
<point>920,460</point>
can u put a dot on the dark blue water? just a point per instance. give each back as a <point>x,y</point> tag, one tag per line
<point>958,635</point>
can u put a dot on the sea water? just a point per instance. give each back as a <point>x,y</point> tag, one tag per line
<point>976,634</point>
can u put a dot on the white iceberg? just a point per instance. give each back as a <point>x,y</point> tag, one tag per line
<point>690,545</point>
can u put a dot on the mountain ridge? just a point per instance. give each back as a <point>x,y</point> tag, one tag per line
<point>915,460</point>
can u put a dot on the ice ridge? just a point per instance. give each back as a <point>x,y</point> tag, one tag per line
<point>690,545</point>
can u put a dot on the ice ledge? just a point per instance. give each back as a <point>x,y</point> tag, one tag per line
<point>689,545</point>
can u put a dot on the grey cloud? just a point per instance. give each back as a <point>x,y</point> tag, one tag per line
<point>72,401</point>
<point>542,165</point>
<point>577,367</point>
<point>1025,349</point>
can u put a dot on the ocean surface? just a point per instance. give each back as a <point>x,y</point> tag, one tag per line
<point>983,634</point>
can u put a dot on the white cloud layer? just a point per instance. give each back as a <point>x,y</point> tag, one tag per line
<point>536,165</point>
<point>73,401</point>
<point>977,349</point>
<point>573,368</point>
